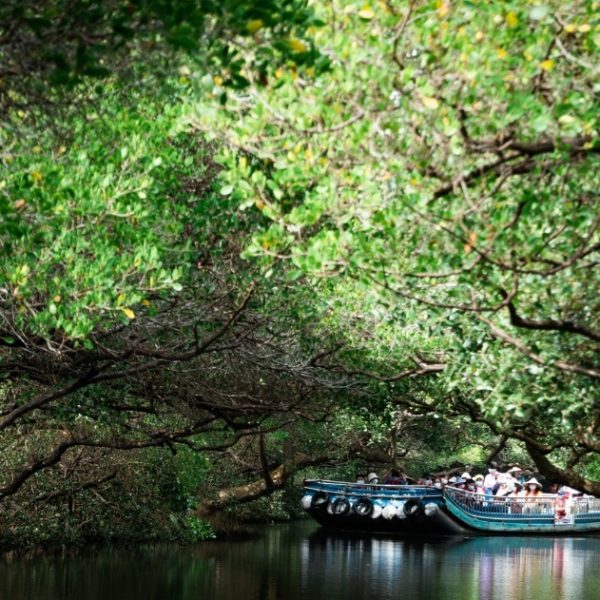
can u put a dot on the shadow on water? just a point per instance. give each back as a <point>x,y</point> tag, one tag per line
<point>301,562</point>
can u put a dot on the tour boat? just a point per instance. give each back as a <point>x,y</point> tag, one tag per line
<point>374,507</point>
<point>548,513</point>
<point>415,509</point>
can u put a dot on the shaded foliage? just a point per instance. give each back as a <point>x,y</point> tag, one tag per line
<point>46,46</point>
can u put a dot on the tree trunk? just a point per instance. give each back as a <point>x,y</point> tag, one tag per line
<point>562,476</point>
<point>275,480</point>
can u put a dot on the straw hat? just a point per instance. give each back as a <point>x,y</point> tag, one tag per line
<point>533,481</point>
<point>515,470</point>
<point>478,477</point>
<point>372,478</point>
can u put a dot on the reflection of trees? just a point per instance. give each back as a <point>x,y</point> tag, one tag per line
<point>487,567</point>
<point>533,567</point>
<point>285,563</point>
<point>360,566</point>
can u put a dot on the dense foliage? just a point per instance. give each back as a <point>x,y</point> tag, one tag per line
<point>130,324</point>
<point>49,47</point>
<point>240,240</point>
<point>446,164</point>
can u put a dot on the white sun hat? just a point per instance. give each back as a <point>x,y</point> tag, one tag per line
<point>533,481</point>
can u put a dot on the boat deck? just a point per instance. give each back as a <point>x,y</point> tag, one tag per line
<point>384,508</point>
<point>517,515</point>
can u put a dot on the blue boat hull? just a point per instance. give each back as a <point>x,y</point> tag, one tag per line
<point>405,510</point>
<point>418,510</point>
<point>535,522</point>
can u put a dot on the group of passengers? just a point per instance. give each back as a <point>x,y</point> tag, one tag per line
<point>509,492</point>
<point>500,487</point>
<point>393,477</point>
<point>512,483</point>
<point>396,477</point>
<point>495,491</point>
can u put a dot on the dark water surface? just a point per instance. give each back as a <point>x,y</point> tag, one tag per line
<point>298,561</point>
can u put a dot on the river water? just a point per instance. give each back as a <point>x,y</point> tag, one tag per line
<point>299,561</point>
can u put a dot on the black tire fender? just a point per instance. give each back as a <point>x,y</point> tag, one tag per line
<point>413,507</point>
<point>340,507</point>
<point>319,500</point>
<point>363,507</point>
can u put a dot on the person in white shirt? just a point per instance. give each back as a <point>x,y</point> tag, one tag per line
<point>516,473</point>
<point>507,485</point>
<point>490,481</point>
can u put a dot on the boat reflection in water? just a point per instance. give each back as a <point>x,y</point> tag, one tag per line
<point>536,567</point>
<point>335,566</point>
<point>293,562</point>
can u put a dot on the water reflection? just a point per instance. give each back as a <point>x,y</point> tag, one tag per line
<point>479,568</point>
<point>297,562</point>
<point>536,567</point>
<point>358,567</point>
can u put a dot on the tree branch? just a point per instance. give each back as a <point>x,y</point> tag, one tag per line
<point>521,347</point>
<point>562,476</point>
<point>549,324</point>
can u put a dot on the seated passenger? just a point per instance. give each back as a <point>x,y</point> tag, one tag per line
<point>394,477</point>
<point>517,507</point>
<point>471,499</point>
<point>373,478</point>
<point>553,488</point>
<point>533,491</point>
<point>505,485</point>
<point>478,479</point>
<point>563,507</point>
<point>491,479</point>
<point>519,491</point>
<point>516,473</point>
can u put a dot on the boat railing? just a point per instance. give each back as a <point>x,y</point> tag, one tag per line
<point>373,490</point>
<point>515,506</point>
<point>588,504</point>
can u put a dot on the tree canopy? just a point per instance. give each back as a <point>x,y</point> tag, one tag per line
<point>446,163</point>
<point>291,235</point>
